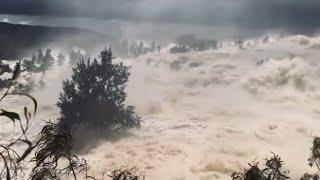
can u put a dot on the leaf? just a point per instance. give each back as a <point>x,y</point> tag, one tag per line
<point>11,115</point>
<point>26,115</point>
<point>30,97</point>
<point>27,151</point>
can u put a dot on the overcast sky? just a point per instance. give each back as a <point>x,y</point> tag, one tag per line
<point>304,14</point>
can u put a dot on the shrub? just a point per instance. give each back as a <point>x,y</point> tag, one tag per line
<point>75,56</point>
<point>273,171</point>
<point>39,63</point>
<point>53,146</point>
<point>47,61</point>
<point>126,174</point>
<point>179,49</point>
<point>52,150</point>
<point>61,59</point>
<point>314,159</point>
<point>94,96</point>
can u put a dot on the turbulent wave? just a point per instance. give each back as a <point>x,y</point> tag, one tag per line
<point>208,113</point>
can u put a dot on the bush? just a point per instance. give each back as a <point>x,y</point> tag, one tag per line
<point>54,145</point>
<point>75,56</point>
<point>126,174</point>
<point>179,49</point>
<point>314,159</point>
<point>94,96</point>
<point>50,151</point>
<point>273,171</point>
<point>39,63</point>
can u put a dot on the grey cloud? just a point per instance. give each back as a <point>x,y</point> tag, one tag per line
<point>251,13</point>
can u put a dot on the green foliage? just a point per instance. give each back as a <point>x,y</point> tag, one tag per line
<point>126,174</point>
<point>94,96</point>
<point>30,65</point>
<point>189,42</point>
<point>273,171</point>
<point>13,116</point>
<point>11,160</point>
<point>153,46</point>
<point>307,176</point>
<point>179,49</point>
<point>239,43</point>
<point>314,159</point>
<point>4,68</point>
<point>61,59</point>
<point>75,56</point>
<point>39,63</point>
<point>47,61</point>
<point>54,146</point>
<point>134,49</point>
<point>40,56</point>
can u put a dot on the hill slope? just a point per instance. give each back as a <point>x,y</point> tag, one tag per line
<point>17,41</point>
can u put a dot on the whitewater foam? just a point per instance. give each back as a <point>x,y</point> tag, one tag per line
<point>208,113</point>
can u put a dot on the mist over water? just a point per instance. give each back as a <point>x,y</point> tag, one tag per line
<point>206,114</point>
<point>218,84</point>
<point>222,108</point>
<point>213,111</point>
<point>146,30</point>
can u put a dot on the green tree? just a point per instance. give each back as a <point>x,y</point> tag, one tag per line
<point>61,59</point>
<point>125,47</point>
<point>153,46</point>
<point>30,65</point>
<point>141,48</point>
<point>40,56</point>
<point>94,96</point>
<point>134,49</point>
<point>75,56</point>
<point>47,61</point>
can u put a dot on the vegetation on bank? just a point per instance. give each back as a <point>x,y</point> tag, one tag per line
<point>94,97</point>
<point>50,154</point>
<point>274,169</point>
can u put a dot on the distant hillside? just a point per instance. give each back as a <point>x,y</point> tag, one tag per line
<point>18,41</point>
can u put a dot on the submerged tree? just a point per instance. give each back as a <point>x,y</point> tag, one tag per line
<point>153,46</point>
<point>61,59</point>
<point>124,47</point>
<point>134,49</point>
<point>30,65</point>
<point>126,174</point>
<point>47,61</point>
<point>40,56</point>
<point>94,96</point>
<point>75,56</point>
<point>39,63</point>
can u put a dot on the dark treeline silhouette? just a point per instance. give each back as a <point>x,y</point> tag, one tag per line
<point>40,62</point>
<point>135,48</point>
<point>189,42</point>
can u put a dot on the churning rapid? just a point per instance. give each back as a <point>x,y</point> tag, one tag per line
<point>206,114</point>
